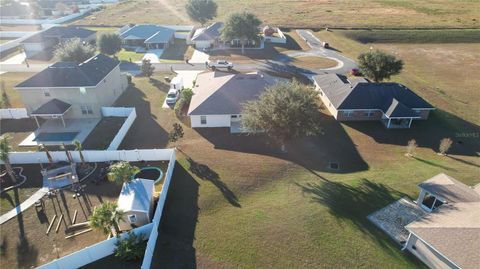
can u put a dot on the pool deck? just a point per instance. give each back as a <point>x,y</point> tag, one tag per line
<point>82,126</point>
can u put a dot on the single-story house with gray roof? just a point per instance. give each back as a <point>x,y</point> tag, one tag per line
<point>354,99</point>
<point>448,236</point>
<point>148,36</point>
<point>219,96</point>
<point>46,40</point>
<point>207,37</point>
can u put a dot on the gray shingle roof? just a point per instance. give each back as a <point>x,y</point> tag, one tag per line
<point>59,32</point>
<point>450,189</point>
<point>69,74</point>
<point>358,93</point>
<point>211,32</point>
<point>157,33</point>
<point>52,107</point>
<point>220,93</point>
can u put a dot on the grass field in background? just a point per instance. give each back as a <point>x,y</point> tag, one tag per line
<point>316,13</point>
<point>415,36</point>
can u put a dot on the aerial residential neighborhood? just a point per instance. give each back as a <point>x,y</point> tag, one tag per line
<point>239,134</point>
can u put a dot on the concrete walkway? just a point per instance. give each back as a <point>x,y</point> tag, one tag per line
<point>17,59</point>
<point>153,55</point>
<point>24,206</point>
<point>199,57</point>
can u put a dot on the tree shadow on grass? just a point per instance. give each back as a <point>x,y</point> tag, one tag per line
<point>206,173</point>
<point>354,203</point>
<point>161,85</point>
<point>427,133</point>
<point>433,164</point>
<point>174,247</point>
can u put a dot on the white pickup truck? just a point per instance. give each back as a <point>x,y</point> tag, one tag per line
<point>220,64</point>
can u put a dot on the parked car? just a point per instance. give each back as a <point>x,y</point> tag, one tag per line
<point>220,64</point>
<point>355,72</point>
<point>172,96</point>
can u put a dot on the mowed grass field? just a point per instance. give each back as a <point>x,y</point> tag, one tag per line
<point>442,73</point>
<point>305,13</point>
<point>251,206</point>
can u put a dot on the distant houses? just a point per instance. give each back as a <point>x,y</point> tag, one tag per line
<point>147,36</point>
<point>45,41</point>
<point>207,37</point>
<point>357,99</point>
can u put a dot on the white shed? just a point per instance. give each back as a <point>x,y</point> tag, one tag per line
<point>136,200</point>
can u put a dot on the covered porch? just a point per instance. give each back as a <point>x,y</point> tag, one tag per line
<point>53,109</point>
<point>398,122</point>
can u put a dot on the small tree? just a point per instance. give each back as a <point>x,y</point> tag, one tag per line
<point>5,149</point>
<point>411,147</point>
<point>5,101</point>
<point>122,172</point>
<point>378,65</point>
<point>64,148</point>
<point>79,148</point>
<point>130,248</point>
<point>284,111</point>
<point>176,133</point>
<point>147,68</point>
<point>201,10</point>
<point>445,145</point>
<point>109,44</point>
<point>242,26</point>
<point>105,217</point>
<point>74,51</point>
<point>184,100</point>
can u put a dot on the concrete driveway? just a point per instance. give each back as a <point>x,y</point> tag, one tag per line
<point>153,55</point>
<point>199,57</point>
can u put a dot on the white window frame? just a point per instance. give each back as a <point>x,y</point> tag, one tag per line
<point>132,218</point>
<point>203,120</point>
<point>86,109</point>
<point>369,113</point>
<point>46,93</point>
<point>348,113</point>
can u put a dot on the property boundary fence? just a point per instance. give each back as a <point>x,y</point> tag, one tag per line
<point>128,112</point>
<point>13,113</point>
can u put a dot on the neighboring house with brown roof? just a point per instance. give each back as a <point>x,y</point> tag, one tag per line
<point>219,96</point>
<point>449,236</point>
<point>46,40</point>
<point>356,99</point>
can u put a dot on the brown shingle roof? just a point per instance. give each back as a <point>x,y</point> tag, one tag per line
<point>448,188</point>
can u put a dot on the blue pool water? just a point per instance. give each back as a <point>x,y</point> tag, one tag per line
<point>47,137</point>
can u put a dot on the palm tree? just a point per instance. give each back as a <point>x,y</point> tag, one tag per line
<point>64,148</point>
<point>79,148</point>
<point>122,172</point>
<point>105,217</point>
<point>4,152</point>
<point>42,147</point>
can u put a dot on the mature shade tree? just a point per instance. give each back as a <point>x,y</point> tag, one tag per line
<point>147,68</point>
<point>74,50</point>
<point>378,65</point>
<point>242,26</point>
<point>105,217</point>
<point>201,10</point>
<point>5,149</point>
<point>109,44</point>
<point>284,111</point>
<point>122,172</point>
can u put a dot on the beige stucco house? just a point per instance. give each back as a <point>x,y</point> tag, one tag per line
<point>69,90</point>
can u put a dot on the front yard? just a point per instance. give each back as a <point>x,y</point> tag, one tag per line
<point>254,206</point>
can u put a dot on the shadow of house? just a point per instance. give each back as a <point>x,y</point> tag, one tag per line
<point>313,153</point>
<point>174,247</point>
<point>353,203</point>
<point>427,133</point>
<point>145,132</point>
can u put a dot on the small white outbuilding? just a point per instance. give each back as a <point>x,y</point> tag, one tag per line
<point>136,201</point>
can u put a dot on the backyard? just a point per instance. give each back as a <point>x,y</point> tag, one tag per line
<point>24,241</point>
<point>250,205</point>
<point>316,14</point>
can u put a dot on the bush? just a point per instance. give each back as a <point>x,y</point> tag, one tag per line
<point>445,145</point>
<point>411,147</point>
<point>184,100</point>
<point>129,79</point>
<point>131,248</point>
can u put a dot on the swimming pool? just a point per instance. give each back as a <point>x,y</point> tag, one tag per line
<point>50,137</point>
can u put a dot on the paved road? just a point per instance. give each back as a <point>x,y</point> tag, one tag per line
<point>345,64</point>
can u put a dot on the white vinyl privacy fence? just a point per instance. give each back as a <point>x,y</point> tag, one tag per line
<point>128,112</point>
<point>152,240</point>
<point>107,247</point>
<point>13,113</point>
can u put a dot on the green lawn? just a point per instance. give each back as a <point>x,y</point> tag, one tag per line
<point>177,52</point>
<point>255,207</point>
<point>125,55</point>
<point>286,13</point>
<point>10,80</point>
